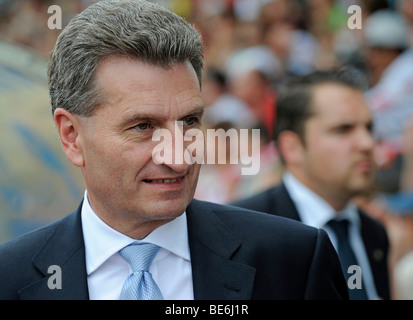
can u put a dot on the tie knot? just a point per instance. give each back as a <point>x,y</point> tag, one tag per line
<point>340,227</point>
<point>139,255</point>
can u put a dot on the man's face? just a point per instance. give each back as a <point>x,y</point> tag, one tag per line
<point>123,182</point>
<point>337,154</point>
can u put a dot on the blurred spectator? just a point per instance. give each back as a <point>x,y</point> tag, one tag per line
<point>247,10</point>
<point>221,105</point>
<point>225,111</point>
<point>24,27</point>
<point>224,183</point>
<point>297,49</point>
<point>251,73</point>
<point>25,21</point>
<point>406,180</point>
<point>270,168</point>
<point>326,18</point>
<point>284,27</point>
<point>218,182</point>
<point>396,213</point>
<point>219,38</point>
<point>406,8</point>
<point>404,277</point>
<point>390,65</point>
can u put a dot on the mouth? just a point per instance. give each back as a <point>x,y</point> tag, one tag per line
<point>165,181</point>
<point>365,165</point>
<point>162,180</point>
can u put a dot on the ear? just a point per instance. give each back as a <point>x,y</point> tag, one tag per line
<point>291,147</point>
<point>68,126</point>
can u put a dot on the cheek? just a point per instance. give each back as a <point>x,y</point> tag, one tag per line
<point>116,161</point>
<point>326,158</point>
<point>133,158</point>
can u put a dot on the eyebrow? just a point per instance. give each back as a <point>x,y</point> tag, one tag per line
<point>198,112</point>
<point>351,123</point>
<point>150,117</point>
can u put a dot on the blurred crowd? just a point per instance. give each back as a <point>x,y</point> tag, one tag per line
<point>251,46</point>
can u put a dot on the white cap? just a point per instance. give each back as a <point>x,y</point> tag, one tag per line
<point>386,29</point>
<point>255,58</point>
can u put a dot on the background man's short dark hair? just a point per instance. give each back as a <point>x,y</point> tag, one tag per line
<point>295,94</point>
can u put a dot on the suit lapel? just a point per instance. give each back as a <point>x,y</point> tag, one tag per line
<point>65,249</point>
<point>212,243</point>
<point>215,275</point>
<point>376,249</point>
<point>283,204</point>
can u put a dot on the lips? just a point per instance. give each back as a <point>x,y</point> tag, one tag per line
<point>165,181</point>
<point>365,165</point>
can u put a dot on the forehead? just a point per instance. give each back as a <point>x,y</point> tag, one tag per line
<point>130,85</point>
<point>339,102</point>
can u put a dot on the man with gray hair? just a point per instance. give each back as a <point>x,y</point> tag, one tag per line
<point>119,71</point>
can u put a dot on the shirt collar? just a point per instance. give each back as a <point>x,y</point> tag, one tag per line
<point>312,208</point>
<point>102,241</point>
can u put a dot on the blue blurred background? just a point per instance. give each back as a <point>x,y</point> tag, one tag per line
<point>37,182</point>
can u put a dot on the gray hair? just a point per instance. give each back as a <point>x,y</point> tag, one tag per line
<point>133,28</point>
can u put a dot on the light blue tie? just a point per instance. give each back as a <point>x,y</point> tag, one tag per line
<point>140,284</point>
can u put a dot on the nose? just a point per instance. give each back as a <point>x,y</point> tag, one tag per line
<point>178,164</point>
<point>366,140</point>
<point>171,152</point>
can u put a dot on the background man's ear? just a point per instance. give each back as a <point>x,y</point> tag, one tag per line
<point>291,147</point>
<point>68,127</point>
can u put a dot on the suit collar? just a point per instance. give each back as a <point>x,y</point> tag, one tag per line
<point>283,204</point>
<point>376,248</point>
<point>65,249</point>
<point>212,245</point>
<point>376,244</point>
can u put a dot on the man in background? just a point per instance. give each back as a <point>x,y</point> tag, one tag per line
<point>324,135</point>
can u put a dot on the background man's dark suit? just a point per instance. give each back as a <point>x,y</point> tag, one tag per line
<point>277,201</point>
<point>229,257</point>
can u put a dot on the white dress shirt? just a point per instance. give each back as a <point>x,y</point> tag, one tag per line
<point>107,270</point>
<point>316,212</point>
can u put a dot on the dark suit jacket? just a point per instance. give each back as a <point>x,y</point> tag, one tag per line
<point>235,254</point>
<point>277,201</point>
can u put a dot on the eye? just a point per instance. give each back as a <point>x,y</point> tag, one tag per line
<point>190,121</point>
<point>142,126</point>
<point>343,128</point>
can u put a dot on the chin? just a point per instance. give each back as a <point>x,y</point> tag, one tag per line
<point>167,209</point>
<point>362,189</point>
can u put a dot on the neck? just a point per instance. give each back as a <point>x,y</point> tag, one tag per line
<point>129,224</point>
<point>337,199</point>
